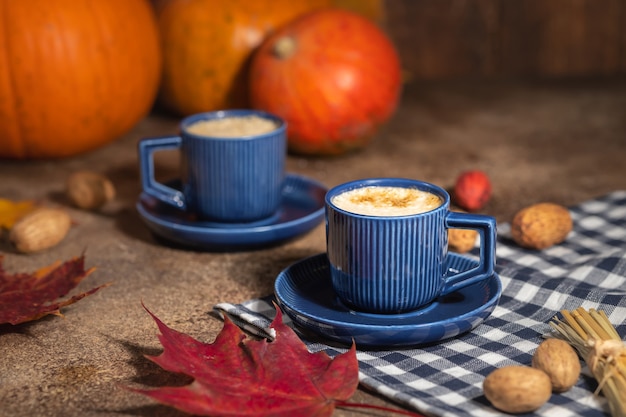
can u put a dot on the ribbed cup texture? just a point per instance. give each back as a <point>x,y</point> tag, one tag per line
<point>234,179</point>
<point>386,265</point>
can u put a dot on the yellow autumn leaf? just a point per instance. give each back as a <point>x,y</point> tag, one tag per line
<point>12,211</point>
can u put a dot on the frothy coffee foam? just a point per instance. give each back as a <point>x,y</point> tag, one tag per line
<point>231,127</point>
<point>387,201</point>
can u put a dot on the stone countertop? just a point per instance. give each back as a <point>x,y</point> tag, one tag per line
<point>562,142</point>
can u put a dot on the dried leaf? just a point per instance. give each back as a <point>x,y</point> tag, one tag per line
<point>239,376</point>
<point>12,211</point>
<point>26,297</point>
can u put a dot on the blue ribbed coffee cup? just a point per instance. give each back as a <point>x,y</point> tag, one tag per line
<point>394,264</point>
<point>224,179</point>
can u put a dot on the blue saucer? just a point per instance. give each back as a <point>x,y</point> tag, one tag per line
<point>305,294</point>
<point>302,208</point>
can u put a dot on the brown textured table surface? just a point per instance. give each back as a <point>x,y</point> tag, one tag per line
<point>562,142</point>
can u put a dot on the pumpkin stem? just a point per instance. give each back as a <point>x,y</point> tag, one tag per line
<point>284,47</point>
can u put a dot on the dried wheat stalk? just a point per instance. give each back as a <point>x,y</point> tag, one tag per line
<point>591,333</point>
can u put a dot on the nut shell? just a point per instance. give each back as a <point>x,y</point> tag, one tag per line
<point>461,240</point>
<point>541,225</point>
<point>560,361</point>
<point>89,190</point>
<point>40,229</point>
<point>517,389</point>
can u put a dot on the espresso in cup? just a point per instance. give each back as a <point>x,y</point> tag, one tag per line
<point>232,165</point>
<point>387,244</point>
<point>387,201</point>
<point>233,127</point>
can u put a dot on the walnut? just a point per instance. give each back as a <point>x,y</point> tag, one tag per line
<point>541,225</point>
<point>517,389</point>
<point>560,361</point>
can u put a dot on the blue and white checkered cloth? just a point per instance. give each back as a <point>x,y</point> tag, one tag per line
<point>445,379</point>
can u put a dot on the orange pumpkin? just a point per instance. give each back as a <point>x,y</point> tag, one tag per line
<point>74,74</point>
<point>333,75</point>
<point>207,44</point>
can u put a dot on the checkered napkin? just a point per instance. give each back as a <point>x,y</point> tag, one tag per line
<point>445,379</point>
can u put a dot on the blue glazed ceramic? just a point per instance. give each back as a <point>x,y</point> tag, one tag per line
<point>223,179</point>
<point>391,264</point>
<point>301,209</point>
<point>304,292</point>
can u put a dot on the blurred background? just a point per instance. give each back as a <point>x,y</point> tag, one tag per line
<point>508,38</point>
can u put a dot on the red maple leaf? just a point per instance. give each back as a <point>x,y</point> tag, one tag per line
<point>26,297</point>
<point>239,376</point>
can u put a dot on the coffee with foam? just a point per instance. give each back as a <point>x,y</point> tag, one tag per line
<point>231,127</point>
<point>387,201</point>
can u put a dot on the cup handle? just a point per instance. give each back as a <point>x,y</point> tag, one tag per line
<point>486,227</point>
<point>150,186</point>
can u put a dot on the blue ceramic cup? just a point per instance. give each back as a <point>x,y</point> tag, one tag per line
<point>389,262</point>
<point>224,178</point>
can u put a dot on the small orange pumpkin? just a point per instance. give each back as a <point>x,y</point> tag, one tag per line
<point>333,75</point>
<point>74,74</point>
<point>207,45</point>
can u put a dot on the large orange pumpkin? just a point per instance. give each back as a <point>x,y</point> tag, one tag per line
<point>74,74</point>
<point>333,75</point>
<point>207,44</point>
